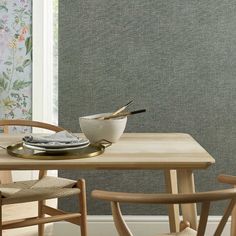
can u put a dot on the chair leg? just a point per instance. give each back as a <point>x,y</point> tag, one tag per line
<point>1,214</point>
<point>40,214</point>
<point>83,207</point>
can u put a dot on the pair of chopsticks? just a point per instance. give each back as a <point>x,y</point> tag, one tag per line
<point>122,114</point>
<point>118,113</point>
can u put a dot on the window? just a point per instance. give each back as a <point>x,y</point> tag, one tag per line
<point>45,74</point>
<point>45,65</point>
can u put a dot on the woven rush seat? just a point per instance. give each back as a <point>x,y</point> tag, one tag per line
<point>37,190</point>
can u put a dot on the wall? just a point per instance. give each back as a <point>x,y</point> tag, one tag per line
<point>15,59</point>
<point>175,58</point>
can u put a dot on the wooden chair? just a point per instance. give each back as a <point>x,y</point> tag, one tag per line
<point>46,187</point>
<point>229,179</point>
<point>205,198</point>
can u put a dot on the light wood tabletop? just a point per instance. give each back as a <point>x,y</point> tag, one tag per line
<point>133,151</point>
<point>178,154</point>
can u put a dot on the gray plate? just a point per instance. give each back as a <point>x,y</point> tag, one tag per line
<point>81,142</point>
<point>59,149</point>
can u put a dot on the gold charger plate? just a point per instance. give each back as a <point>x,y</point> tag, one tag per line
<point>18,150</point>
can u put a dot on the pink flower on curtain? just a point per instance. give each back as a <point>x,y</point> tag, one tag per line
<point>23,33</point>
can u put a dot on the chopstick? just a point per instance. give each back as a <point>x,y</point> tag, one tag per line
<point>117,111</point>
<point>122,108</point>
<point>122,114</point>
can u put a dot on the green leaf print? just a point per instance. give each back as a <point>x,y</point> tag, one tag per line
<point>28,44</point>
<point>19,84</point>
<point>3,84</point>
<point>20,69</point>
<point>5,76</point>
<point>2,7</point>
<point>26,63</point>
<point>8,63</point>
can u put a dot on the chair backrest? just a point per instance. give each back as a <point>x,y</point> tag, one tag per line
<point>5,176</point>
<point>7,123</point>
<point>227,179</point>
<point>204,198</point>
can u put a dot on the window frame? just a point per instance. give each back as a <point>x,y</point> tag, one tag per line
<point>42,66</point>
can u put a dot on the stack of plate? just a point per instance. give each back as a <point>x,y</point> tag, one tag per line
<point>61,144</point>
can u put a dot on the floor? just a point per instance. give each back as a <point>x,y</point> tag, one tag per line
<point>21,211</point>
<point>29,231</point>
<point>97,229</point>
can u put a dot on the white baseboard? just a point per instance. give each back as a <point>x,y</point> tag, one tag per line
<point>139,225</point>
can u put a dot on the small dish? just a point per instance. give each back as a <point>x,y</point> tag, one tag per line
<point>81,142</point>
<point>60,149</point>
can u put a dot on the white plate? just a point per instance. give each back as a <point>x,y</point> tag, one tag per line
<point>81,142</point>
<point>61,149</point>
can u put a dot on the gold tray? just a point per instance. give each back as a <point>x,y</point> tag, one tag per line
<point>17,150</point>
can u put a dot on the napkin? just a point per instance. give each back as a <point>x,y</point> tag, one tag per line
<point>59,137</point>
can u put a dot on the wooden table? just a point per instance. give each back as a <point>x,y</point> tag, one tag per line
<point>177,154</point>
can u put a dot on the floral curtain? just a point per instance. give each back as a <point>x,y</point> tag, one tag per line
<point>15,59</point>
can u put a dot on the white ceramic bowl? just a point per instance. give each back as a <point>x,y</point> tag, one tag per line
<point>96,130</point>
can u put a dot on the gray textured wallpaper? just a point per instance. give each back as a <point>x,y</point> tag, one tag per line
<point>176,58</point>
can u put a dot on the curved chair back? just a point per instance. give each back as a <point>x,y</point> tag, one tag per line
<point>205,198</point>
<point>6,176</point>
<point>230,179</point>
<point>18,122</point>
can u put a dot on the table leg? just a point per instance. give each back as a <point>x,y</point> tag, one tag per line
<point>186,185</point>
<point>173,210</point>
<point>5,176</point>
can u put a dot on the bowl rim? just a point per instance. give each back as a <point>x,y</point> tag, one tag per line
<point>91,117</point>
